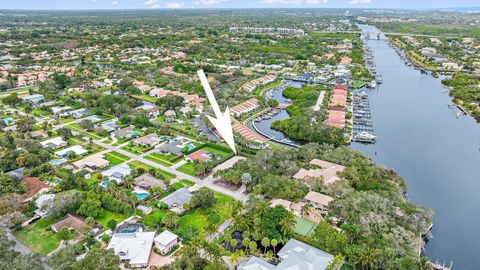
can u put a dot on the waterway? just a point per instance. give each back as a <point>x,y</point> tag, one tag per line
<point>437,153</point>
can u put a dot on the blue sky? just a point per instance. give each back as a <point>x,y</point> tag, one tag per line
<point>144,4</point>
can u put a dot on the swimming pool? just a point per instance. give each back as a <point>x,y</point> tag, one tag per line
<point>190,146</point>
<point>103,184</point>
<point>141,196</point>
<point>56,161</point>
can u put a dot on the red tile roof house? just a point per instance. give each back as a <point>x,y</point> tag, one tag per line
<point>200,155</point>
<point>33,186</point>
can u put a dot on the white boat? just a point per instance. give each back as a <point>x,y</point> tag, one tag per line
<point>365,137</point>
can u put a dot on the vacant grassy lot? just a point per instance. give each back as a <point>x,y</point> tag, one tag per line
<point>39,237</point>
<point>187,168</point>
<point>115,158</point>
<point>135,149</point>
<point>163,159</point>
<point>109,215</point>
<point>138,164</point>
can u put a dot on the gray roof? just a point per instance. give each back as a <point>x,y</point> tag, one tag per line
<point>171,148</point>
<point>255,263</point>
<point>18,173</point>
<point>178,198</point>
<point>297,255</point>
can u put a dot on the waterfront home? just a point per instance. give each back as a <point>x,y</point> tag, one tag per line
<point>319,201</point>
<point>294,255</point>
<point>148,140</point>
<point>177,199</point>
<point>118,172</point>
<point>147,181</point>
<point>71,222</point>
<point>133,248</point>
<point>297,208</point>
<point>33,186</point>
<point>245,107</point>
<point>326,170</point>
<point>250,86</point>
<point>78,150</point>
<point>54,143</point>
<point>165,241</point>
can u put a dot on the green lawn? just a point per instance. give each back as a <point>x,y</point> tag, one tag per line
<point>138,164</point>
<point>135,149</point>
<point>120,141</point>
<point>153,218</point>
<point>197,218</point>
<point>163,159</point>
<point>187,168</point>
<point>145,97</point>
<point>187,182</point>
<point>109,215</point>
<point>66,120</point>
<point>115,158</point>
<point>210,149</point>
<point>39,237</point>
<point>304,227</point>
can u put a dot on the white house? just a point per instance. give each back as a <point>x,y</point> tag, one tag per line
<point>77,149</point>
<point>165,241</point>
<point>54,143</point>
<point>133,248</point>
<point>118,172</point>
<point>42,201</point>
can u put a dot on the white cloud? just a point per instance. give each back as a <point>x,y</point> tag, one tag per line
<point>209,2</point>
<point>152,3</point>
<point>294,2</point>
<point>313,2</point>
<point>114,3</point>
<point>355,2</point>
<point>175,5</point>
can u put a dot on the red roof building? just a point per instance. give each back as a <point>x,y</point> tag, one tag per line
<point>32,187</point>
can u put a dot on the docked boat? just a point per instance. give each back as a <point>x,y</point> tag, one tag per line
<point>365,137</point>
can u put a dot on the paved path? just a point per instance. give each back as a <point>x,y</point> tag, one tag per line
<point>208,182</point>
<point>318,105</point>
<point>18,245</point>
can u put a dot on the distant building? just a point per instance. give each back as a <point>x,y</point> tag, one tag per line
<point>118,172</point>
<point>77,149</point>
<point>245,107</point>
<point>148,140</point>
<point>36,98</point>
<point>33,186</point>
<point>71,221</point>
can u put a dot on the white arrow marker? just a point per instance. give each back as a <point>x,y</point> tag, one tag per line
<point>222,122</point>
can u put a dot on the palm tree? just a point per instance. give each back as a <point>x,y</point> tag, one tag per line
<point>274,244</point>
<point>306,209</point>
<point>128,182</point>
<point>233,243</point>
<point>287,224</point>
<point>368,258</point>
<point>265,244</point>
<point>235,256</point>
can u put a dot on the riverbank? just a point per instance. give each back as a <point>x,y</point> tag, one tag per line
<point>437,153</point>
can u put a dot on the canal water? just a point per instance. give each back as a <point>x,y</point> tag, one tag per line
<point>437,153</point>
<point>422,139</point>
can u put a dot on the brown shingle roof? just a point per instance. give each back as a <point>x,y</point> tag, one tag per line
<point>32,186</point>
<point>70,221</point>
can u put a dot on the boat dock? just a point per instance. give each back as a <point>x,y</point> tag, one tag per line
<point>362,119</point>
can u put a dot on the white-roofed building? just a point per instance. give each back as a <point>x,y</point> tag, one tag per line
<point>77,149</point>
<point>134,248</point>
<point>42,201</point>
<point>118,172</point>
<point>54,143</point>
<point>295,255</point>
<point>166,241</point>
